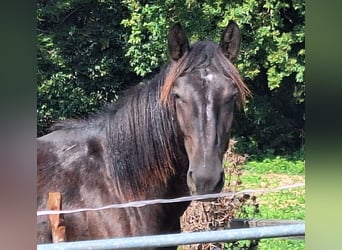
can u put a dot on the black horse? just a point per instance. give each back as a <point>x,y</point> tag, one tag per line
<point>163,139</point>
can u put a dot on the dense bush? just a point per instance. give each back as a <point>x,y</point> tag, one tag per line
<point>81,62</point>
<point>89,50</point>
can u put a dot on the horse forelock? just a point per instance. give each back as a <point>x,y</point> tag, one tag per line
<point>203,54</point>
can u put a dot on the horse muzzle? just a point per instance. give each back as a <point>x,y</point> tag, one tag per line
<point>205,182</point>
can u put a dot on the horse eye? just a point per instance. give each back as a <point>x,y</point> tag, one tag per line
<point>229,101</point>
<point>177,97</point>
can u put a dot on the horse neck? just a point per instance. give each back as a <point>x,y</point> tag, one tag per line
<point>146,154</point>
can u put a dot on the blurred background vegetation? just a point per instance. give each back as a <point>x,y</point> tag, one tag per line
<point>90,50</point>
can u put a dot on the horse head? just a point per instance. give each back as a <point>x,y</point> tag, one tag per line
<point>203,87</point>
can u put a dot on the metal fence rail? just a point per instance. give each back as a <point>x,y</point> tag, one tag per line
<point>182,238</point>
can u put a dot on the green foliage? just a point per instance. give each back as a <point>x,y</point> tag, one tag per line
<point>81,64</point>
<point>276,164</point>
<point>146,42</point>
<point>280,244</point>
<point>267,126</point>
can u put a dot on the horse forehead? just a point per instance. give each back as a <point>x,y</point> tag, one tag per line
<point>212,79</point>
<point>204,81</point>
<point>211,74</point>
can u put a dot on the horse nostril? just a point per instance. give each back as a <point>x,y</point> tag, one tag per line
<point>190,174</point>
<point>191,182</point>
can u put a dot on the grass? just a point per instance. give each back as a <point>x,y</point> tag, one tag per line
<point>288,204</point>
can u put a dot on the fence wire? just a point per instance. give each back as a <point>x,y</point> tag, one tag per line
<point>174,200</point>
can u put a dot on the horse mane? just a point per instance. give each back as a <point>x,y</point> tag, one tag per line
<point>143,139</point>
<point>202,54</point>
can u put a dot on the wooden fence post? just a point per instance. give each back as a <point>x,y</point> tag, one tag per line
<point>56,220</point>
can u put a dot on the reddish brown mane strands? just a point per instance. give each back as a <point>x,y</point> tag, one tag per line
<point>173,72</point>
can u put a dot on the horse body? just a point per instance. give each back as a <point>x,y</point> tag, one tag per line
<point>164,139</point>
<point>78,160</point>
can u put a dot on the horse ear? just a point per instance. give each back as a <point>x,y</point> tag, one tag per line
<point>231,41</point>
<point>177,42</point>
